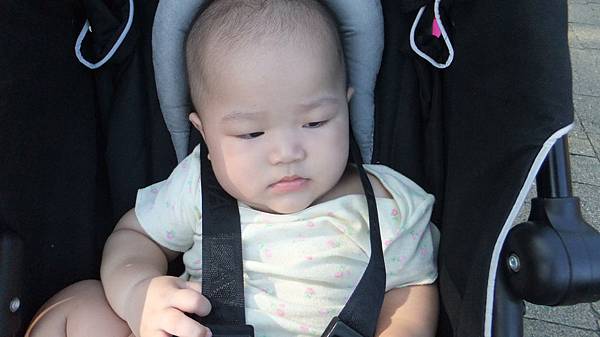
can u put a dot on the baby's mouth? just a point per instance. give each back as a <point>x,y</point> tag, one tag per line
<point>289,184</point>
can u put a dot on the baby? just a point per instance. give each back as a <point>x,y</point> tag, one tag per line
<point>268,80</point>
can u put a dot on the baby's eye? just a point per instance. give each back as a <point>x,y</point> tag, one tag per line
<point>251,135</point>
<point>314,124</point>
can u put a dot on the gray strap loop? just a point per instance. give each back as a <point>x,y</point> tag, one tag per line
<point>415,48</point>
<point>114,48</point>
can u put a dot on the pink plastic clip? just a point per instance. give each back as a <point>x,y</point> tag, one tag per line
<point>435,29</point>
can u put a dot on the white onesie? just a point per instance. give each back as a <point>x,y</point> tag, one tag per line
<point>300,268</point>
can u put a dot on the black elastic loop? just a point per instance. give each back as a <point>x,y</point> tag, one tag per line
<point>362,309</point>
<point>222,268</point>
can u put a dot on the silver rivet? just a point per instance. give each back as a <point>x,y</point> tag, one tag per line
<point>15,304</point>
<point>514,263</point>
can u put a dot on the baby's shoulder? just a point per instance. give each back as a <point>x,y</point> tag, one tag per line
<point>350,184</point>
<point>378,189</point>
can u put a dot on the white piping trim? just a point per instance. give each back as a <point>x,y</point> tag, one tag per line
<point>413,45</point>
<point>114,48</point>
<point>537,163</point>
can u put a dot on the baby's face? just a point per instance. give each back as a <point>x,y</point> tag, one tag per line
<point>276,125</point>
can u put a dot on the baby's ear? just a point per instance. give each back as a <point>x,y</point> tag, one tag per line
<point>195,120</point>
<point>349,93</point>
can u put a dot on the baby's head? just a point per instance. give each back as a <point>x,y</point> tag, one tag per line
<point>267,78</point>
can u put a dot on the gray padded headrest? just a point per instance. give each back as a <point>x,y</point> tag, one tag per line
<point>362,33</point>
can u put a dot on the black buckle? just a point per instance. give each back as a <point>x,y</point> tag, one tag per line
<point>337,328</point>
<point>231,330</point>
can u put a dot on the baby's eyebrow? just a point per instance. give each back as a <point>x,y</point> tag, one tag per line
<point>241,115</point>
<point>307,106</point>
<point>237,115</point>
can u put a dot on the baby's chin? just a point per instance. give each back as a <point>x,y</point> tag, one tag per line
<point>283,206</point>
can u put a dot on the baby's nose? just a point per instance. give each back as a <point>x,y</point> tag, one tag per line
<point>287,149</point>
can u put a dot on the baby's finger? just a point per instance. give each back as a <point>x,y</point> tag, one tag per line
<point>191,301</point>
<point>178,324</point>
<point>197,286</point>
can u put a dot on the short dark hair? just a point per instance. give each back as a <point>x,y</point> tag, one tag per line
<point>229,24</point>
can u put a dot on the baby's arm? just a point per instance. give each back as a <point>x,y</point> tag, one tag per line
<point>409,312</point>
<point>132,275</point>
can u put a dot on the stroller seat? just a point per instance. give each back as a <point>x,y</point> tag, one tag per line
<point>475,134</point>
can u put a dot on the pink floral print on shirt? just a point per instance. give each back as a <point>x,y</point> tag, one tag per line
<point>342,271</point>
<point>309,292</point>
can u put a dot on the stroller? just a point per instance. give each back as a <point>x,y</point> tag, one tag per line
<point>472,127</point>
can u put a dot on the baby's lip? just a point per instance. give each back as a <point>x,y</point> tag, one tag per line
<point>289,184</point>
<point>289,178</point>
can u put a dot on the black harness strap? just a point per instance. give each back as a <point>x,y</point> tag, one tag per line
<point>362,309</point>
<point>222,267</point>
<point>222,270</point>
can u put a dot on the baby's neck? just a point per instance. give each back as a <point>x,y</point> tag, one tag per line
<point>349,183</point>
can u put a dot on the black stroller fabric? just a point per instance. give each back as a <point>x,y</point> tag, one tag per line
<point>138,148</point>
<point>75,144</point>
<point>470,133</point>
<point>52,186</point>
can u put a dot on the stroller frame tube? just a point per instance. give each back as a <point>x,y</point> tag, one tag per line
<point>508,308</point>
<point>554,178</point>
<point>12,253</point>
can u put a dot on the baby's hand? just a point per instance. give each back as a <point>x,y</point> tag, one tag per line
<point>166,302</point>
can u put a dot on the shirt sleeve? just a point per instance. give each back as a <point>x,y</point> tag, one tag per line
<point>170,211</point>
<point>409,239</point>
<point>410,253</point>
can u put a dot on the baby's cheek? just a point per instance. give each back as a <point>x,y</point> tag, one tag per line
<point>246,187</point>
<point>337,144</point>
<point>230,180</point>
